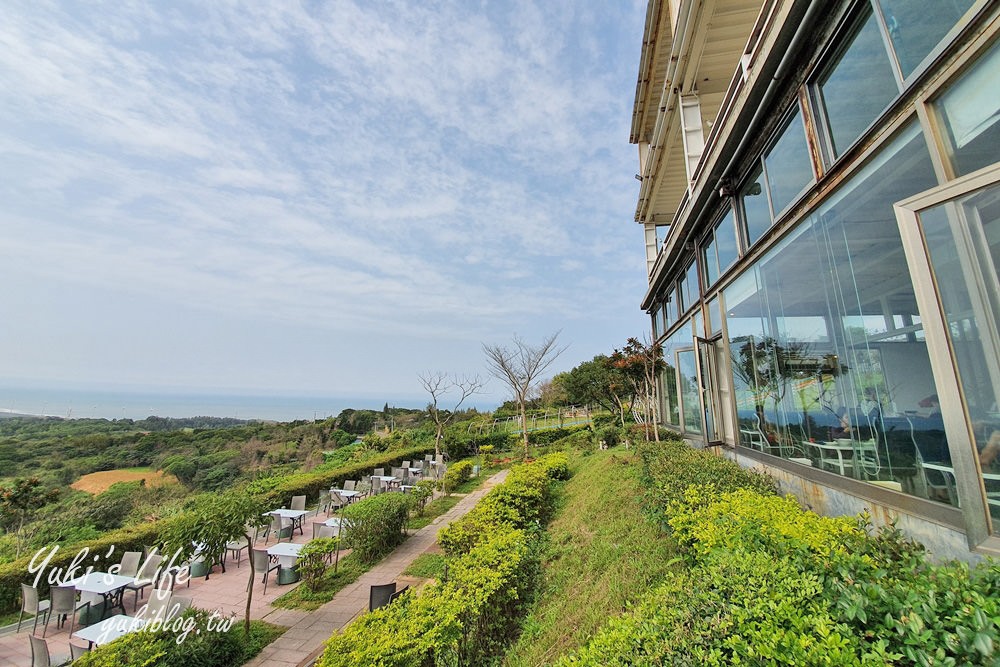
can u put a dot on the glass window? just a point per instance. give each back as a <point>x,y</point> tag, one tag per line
<point>690,404</point>
<point>720,250</point>
<point>670,309</point>
<point>961,237</point>
<point>661,234</point>
<point>656,317</point>
<point>680,338</point>
<point>788,166</point>
<point>970,115</point>
<point>813,377</point>
<point>858,86</point>
<point>916,26</point>
<point>691,290</point>
<point>756,213</point>
<point>714,316</point>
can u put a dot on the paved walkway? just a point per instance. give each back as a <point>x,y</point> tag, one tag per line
<point>308,631</point>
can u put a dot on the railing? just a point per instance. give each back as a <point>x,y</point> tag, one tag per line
<point>573,415</point>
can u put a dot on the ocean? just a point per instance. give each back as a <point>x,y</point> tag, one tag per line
<point>126,404</point>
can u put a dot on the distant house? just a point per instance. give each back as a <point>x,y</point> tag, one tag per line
<point>820,200</point>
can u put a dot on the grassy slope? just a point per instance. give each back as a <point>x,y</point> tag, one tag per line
<point>601,556</point>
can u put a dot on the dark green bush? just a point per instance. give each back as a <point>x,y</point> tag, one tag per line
<point>376,525</point>
<point>549,436</point>
<point>201,646</point>
<point>459,443</point>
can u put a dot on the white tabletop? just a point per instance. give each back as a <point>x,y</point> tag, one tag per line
<point>384,478</point>
<point>110,629</point>
<point>334,522</point>
<point>285,549</point>
<point>100,582</point>
<point>289,514</point>
<point>346,493</point>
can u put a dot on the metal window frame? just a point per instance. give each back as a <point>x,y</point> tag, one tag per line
<point>961,440</point>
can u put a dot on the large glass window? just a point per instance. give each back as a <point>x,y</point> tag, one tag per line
<point>680,338</point>
<point>756,214</point>
<point>963,241</point>
<point>787,165</point>
<point>687,371</point>
<point>693,292</point>
<point>916,26</point>
<point>720,249</point>
<point>816,377</point>
<point>858,86</point>
<point>970,115</point>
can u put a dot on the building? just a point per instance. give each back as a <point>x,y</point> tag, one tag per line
<point>820,201</point>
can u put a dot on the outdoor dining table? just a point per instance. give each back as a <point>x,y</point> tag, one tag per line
<point>295,515</point>
<point>287,553</point>
<point>349,496</point>
<point>111,588</point>
<point>110,629</point>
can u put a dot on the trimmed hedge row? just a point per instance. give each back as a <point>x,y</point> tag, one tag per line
<point>201,644</point>
<point>769,583</point>
<point>278,491</point>
<point>456,475</point>
<point>377,524</point>
<point>468,618</point>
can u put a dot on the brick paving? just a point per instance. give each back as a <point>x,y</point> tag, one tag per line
<point>307,631</point>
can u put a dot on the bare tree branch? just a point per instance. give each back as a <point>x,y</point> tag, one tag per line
<point>439,384</point>
<point>521,368</point>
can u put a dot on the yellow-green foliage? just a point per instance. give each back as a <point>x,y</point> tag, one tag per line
<point>745,520</point>
<point>456,474</point>
<point>468,618</point>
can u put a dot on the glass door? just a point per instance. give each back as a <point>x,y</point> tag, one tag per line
<point>952,240</point>
<point>708,364</point>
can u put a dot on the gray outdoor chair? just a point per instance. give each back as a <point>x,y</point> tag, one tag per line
<point>298,503</point>
<point>350,485</point>
<point>262,563</point>
<point>32,605</point>
<point>63,603</point>
<point>379,472</point>
<point>77,652</point>
<point>129,566</point>
<point>145,577</point>
<point>40,656</point>
<point>278,524</point>
<point>236,548</point>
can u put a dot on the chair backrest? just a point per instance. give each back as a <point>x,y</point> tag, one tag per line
<point>325,531</point>
<point>276,523</point>
<point>337,499</point>
<point>379,471</point>
<point>350,485</point>
<point>376,485</point>
<point>159,603</point>
<point>379,595</point>
<point>398,473</point>
<point>428,458</point>
<point>439,459</point>
<point>130,563</point>
<point>178,604</point>
<point>77,652</point>
<point>298,502</point>
<point>261,560</point>
<point>406,464</point>
<point>29,598</point>
<point>316,526</point>
<point>397,594</point>
<point>39,652</point>
<point>63,599</point>
<point>148,570</point>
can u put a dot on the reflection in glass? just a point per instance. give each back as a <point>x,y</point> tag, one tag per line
<point>817,375</point>
<point>721,249</point>
<point>787,164</point>
<point>691,285</point>
<point>916,26</point>
<point>688,374</point>
<point>680,338</point>
<point>756,213</point>
<point>857,87</point>
<point>963,240</point>
<point>970,115</point>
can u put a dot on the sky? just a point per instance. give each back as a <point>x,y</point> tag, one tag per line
<point>315,198</point>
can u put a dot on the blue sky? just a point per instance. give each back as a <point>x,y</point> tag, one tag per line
<point>320,198</point>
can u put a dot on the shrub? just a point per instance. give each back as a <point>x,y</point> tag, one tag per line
<point>376,525</point>
<point>549,436</point>
<point>611,435</point>
<point>421,492</point>
<point>201,646</point>
<point>314,560</point>
<point>456,475</point>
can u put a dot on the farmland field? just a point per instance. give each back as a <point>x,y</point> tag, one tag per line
<point>98,482</point>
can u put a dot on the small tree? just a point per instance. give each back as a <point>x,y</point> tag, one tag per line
<point>641,363</point>
<point>439,385</point>
<point>214,521</point>
<point>520,368</point>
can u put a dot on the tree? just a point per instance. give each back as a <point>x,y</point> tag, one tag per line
<point>19,502</point>
<point>439,384</point>
<point>641,363</point>
<point>520,368</point>
<point>213,521</point>
<point>599,381</point>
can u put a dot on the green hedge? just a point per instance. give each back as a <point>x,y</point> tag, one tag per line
<point>524,500</point>
<point>376,525</point>
<point>456,475</point>
<point>201,646</point>
<point>549,436</point>
<point>467,619</point>
<point>459,443</point>
<point>769,583</point>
